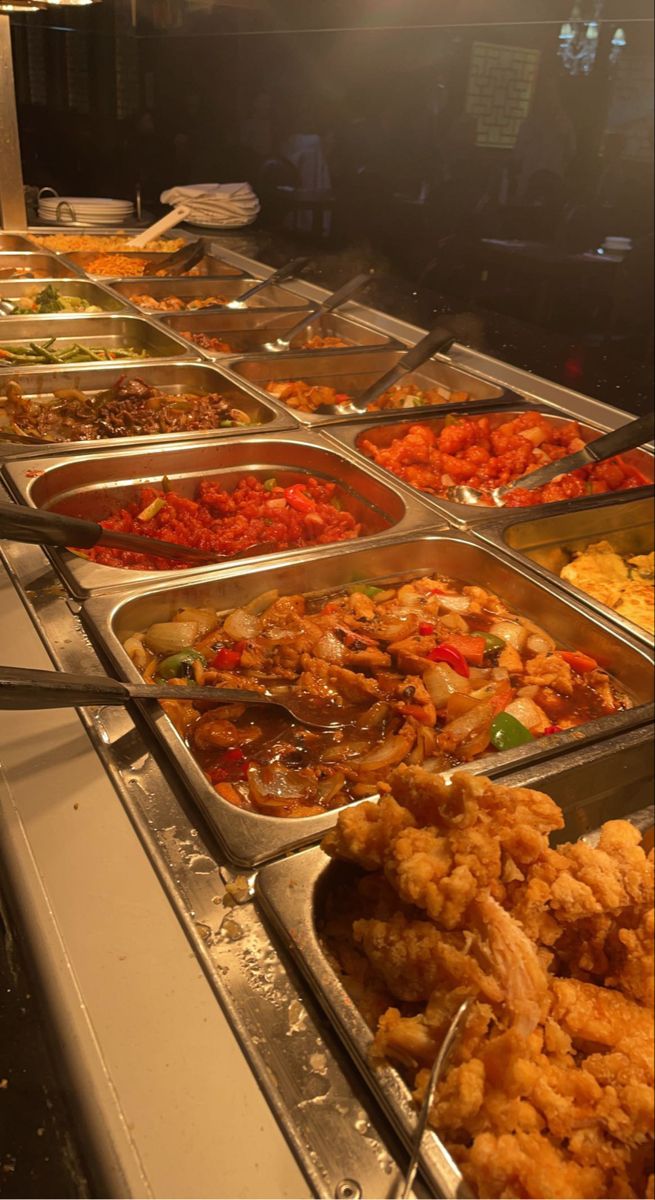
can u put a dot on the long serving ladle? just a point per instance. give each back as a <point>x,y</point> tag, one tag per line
<point>37,526</point>
<point>22,688</point>
<point>291,268</point>
<point>633,433</point>
<point>436,341</point>
<point>328,305</point>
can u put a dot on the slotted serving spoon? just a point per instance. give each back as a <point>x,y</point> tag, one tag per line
<point>291,268</point>
<point>633,433</point>
<point>38,526</point>
<point>328,305</point>
<point>434,342</point>
<point>21,688</point>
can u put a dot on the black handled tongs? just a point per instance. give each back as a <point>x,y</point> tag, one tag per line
<point>38,526</point>
<point>436,341</point>
<point>283,342</point>
<point>291,268</point>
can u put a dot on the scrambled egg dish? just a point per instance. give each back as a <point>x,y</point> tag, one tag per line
<point>622,583</point>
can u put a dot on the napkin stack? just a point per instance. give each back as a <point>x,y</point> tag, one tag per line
<point>215,205</point>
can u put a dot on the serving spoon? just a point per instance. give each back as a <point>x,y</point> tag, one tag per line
<point>21,688</point>
<point>38,526</point>
<point>328,305</point>
<point>294,267</point>
<point>633,433</point>
<point>434,342</point>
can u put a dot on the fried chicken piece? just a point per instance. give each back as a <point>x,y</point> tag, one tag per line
<point>413,958</point>
<point>632,967</point>
<point>443,874</point>
<point>549,670</point>
<point>362,834</point>
<point>469,799</point>
<point>597,1015</point>
<point>515,965</point>
<point>528,1164</point>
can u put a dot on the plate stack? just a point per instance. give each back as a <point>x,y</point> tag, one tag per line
<point>215,205</point>
<point>84,210</point>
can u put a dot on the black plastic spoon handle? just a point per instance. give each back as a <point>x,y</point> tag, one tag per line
<point>328,305</point>
<point>39,527</point>
<point>21,688</point>
<point>438,339</point>
<point>633,433</point>
<point>291,268</point>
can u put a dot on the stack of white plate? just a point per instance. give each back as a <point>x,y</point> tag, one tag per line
<point>84,210</point>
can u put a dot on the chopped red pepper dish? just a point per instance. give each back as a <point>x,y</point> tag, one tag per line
<point>307,514</point>
<point>485,454</point>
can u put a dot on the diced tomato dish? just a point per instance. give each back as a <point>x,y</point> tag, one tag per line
<point>479,452</point>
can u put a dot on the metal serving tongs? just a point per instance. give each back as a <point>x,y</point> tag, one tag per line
<point>404,1189</point>
<point>328,305</point>
<point>436,341</point>
<point>633,433</point>
<point>38,526</point>
<point>22,688</point>
<point>291,268</point>
<point>176,264</point>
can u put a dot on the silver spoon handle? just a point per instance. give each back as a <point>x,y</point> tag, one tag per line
<point>436,340</point>
<point>26,689</point>
<point>291,268</point>
<point>334,301</point>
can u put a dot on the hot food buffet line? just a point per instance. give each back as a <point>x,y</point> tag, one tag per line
<point>406,636</point>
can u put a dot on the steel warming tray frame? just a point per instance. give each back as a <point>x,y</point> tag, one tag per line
<point>275,296</point>
<point>251,838</point>
<point>99,331</point>
<point>52,266</point>
<point>252,327</point>
<point>172,376</point>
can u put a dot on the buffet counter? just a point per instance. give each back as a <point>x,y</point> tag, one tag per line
<point>167,878</point>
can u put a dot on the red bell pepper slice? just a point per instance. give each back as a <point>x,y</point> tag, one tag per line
<point>449,654</point>
<point>226,658</point>
<point>426,628</point>
<point>578,661</point>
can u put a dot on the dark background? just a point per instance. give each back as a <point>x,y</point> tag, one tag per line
<point>397,134</point>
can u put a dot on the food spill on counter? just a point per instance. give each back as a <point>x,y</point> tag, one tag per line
<point>435,672</point>
<point>128,408</point>
<point>455,893</point>
<point>484,453</point>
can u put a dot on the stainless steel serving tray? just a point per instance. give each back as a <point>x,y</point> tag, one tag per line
<point>190,288</point>
<point>354,372</point>
<point>248,331</point>
<point>15,241</point>
<point>383,432</point>
<point>116,331</point>
<point>97,483</point>
<point>173,377</point>
<point>292,895</point>
<point>626,522</point>
<point>210,264</point>
<point>83,289</point>
<point>250,838</point>
<point>40,265</point>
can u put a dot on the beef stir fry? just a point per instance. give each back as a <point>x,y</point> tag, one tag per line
<point>129,407</point>
<point>307,397</point>
<point>438,673</point>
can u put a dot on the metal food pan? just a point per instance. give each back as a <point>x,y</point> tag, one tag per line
<point>96,484</point>
<point>112,332</point>
<point>83,289</point>
<point>251,838</point>
<point>293,893</point>
<point>247,332</point>
<point>625,522</point>
<point>193,288</point>
<point>45,234</point>
<point>171,376</point>
<point>354,372</point>
<point>382,434</point>
<point>15,241</point>
<point>209,264</point>
<point>39,265</point>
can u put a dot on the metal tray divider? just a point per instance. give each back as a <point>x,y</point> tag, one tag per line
<point>345,1148</point>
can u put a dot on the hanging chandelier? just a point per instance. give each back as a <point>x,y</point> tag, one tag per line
<point>578,40</point>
